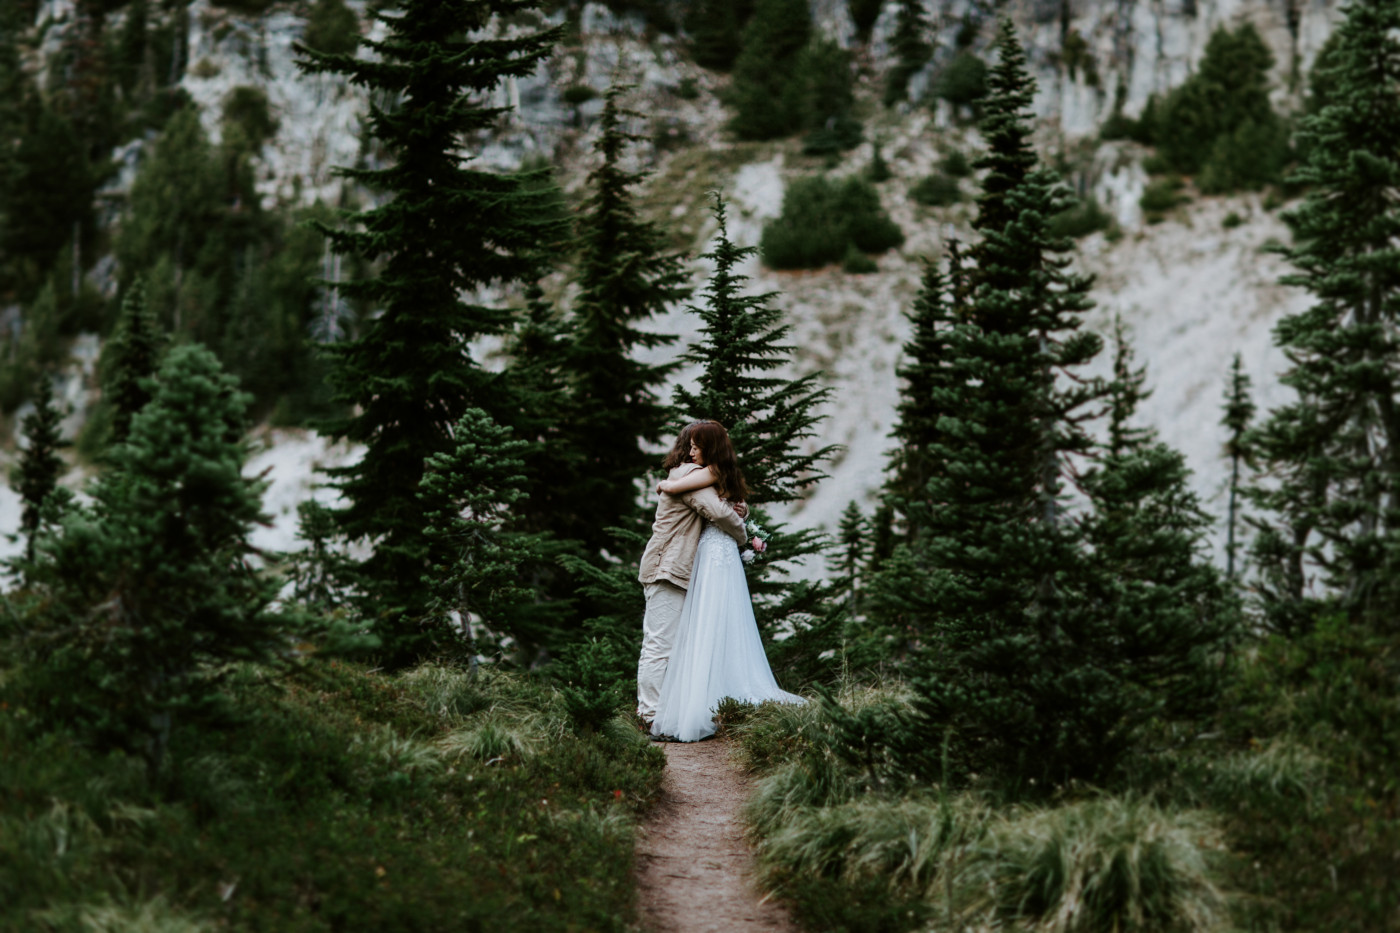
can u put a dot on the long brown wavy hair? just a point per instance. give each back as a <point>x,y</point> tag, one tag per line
<point>680,453</point>
<point>718,453</point>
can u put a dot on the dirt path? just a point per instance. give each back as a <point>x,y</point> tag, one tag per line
<point>695,874</point>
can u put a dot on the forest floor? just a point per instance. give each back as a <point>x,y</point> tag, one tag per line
<point>695,872</point>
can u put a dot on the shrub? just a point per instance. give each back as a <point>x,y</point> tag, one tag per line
<point>821,218</point>
<point>1247,157</point>
<point>1160,196</point>
<point>857,263</point>
<point>1084,218</point>
<point>1231,221</point>
<point>936,190</point>
<point>332,27</point>
<point>879,169</point>
<point>956,165</point>
<point>248,118</point>
<point>963,81</point>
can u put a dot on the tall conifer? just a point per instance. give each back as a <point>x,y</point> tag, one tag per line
<point>1239,412</point>
<point>442,233</point>
<point>129,359</point>
<point>911,47</point>
<point>1028,651</point>
<point>769,419</point>
<point>1332,500</point>
<point>40,466</point>
<point>626,277</point>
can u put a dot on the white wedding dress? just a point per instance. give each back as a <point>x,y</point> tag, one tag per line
<point>718,652</point>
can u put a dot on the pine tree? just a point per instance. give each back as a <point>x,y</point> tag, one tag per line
<point>769,419</point>
<point>716,31</point>
<point>1239,412</point>
<point>1126,395</point>
<point>625,277</point>
<point>847,562</point>
<point>1029,653</point>
<point>151,597</point>
<point>468,493</point>
<point>130,358</point>
<point>442,231</point>
<point>773,42</point>
<point>40,466</point>
<point>1332,457</point>
<point>924,371</point>
<point>911,48</point>
<point>1009,158</point>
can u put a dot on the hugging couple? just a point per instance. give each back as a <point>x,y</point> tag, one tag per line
<point>700,642</point>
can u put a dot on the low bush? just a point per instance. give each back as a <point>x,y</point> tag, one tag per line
<point>1160,196</point>
<point>332,27</point>
<point>936,190</point>
<point>336,800</point>
<point>857,263</point>
<point>956,165</point>
<point>963,81</point>
<point>822,219</point>
<point>1084,218</point>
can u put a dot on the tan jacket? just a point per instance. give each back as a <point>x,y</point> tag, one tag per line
<point>675,535</point>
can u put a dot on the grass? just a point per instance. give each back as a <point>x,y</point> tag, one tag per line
<point>341,799</point>
<point>1281,814</point>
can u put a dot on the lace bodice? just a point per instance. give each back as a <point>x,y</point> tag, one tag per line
<point>717,549</point>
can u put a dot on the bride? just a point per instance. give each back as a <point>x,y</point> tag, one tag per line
<point>718,651</point>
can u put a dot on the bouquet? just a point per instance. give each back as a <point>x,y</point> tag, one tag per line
<point>757,541</point>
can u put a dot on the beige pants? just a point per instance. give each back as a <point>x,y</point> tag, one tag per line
<point>659,624</point>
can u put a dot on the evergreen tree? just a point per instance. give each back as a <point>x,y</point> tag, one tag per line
<point>151,600</point>
<point>468,493</point>
<point>1332,501</point>
<point>442,231</point>
<point>37,473</point>
<point>1239,412</point>
<point>716,31</point>
<point>625,277</point>
<point>769,419</point>
<point>924,371</point>
<point>1044,656</point>
<point>773,42</point>
<point>911,48</point>
<point>129,359</point>
<point>1126,395</point>
<point>846,563</point>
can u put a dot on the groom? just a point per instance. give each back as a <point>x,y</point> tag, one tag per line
<point>666,566</point>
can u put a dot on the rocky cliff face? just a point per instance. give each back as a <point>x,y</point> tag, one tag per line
<point>1191,293</point>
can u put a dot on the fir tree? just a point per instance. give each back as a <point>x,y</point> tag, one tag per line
<point>152,599</point>
<point>1332,502</point>
<point>924,371</point>
<point>40,466</point>
<point>625,277</point>
<point>773,43</point>
<point>130,359</point>
<point>767,417</point>
<point>1126,395</point>
<point>911,48</point>
<point>1239,412</point>
<point>443,231</point>
<point>1029,652</point>
<point>468,493</point>
<point>846,563</point>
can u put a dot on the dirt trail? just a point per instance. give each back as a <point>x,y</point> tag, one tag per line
<point>695,874</point>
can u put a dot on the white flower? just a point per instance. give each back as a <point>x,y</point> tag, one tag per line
<point>747,556</point>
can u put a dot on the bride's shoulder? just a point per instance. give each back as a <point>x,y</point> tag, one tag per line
<point>685,469</point>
